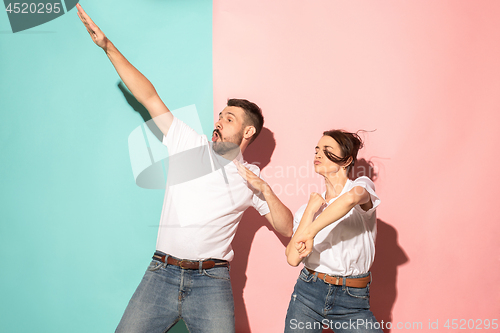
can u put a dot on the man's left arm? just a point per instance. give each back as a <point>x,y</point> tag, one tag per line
<point>280,217</point>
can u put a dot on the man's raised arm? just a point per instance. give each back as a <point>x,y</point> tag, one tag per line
<point>137,83</point>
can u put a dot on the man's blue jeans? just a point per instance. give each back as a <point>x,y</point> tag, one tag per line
<point>166,294</point>
<point>316,305</point>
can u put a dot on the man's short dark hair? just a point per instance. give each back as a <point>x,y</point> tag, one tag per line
<point>253,114</point>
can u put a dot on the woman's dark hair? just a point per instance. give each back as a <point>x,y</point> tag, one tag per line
<point>350,144</point>
<point>253,114</point>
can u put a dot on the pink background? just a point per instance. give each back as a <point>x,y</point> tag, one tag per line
<point>426,76</point>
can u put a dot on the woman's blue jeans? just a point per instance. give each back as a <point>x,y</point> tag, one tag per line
<point>166,294</point>
<point>316,305</point>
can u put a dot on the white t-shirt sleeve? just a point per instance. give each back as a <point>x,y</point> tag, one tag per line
<point>181,137</point>
<point>368,185</point>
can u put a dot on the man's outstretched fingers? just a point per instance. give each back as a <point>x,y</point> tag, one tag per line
<point>95,33</point>
<point>89,30</point>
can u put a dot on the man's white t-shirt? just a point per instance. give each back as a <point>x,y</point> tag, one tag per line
<point>347,246</point>
<point>204,200</point>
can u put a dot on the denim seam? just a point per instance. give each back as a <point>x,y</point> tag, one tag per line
<point>361,297</point>
<point>325,306</point>
<point>215,277</point>
<point>175,322</point>
<point>156,267</point>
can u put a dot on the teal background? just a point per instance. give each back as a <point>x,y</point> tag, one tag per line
<point>76,231</point>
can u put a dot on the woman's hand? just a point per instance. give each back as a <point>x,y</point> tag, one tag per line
<point>97,35</point>
<point>304,239</point>
<point>316,201</point>
<point>304,242</point>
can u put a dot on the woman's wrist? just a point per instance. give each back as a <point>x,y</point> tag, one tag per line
<point>309,231</point>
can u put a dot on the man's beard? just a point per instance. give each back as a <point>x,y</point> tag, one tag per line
<point>229,145</point>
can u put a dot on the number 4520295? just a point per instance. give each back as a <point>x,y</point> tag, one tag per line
<point>33,8</point>
<point>471,324</point>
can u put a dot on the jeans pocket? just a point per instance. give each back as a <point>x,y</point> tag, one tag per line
<point>363,293</point>
<point>155,265</point>
<point>221,273</point>
<point>305,275</point>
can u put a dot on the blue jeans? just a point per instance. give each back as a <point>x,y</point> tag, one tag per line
<point>317,305</point>
<point>167,294</point>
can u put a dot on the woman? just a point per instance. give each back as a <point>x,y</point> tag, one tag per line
<point>334,236</point>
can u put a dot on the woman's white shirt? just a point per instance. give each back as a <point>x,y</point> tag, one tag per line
<point>347,246</point>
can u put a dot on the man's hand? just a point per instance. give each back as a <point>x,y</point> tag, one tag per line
<point>258,184</point>
<point>280,217</point>
<point>97,35</point>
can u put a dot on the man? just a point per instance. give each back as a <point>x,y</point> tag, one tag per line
<point>189,276</point>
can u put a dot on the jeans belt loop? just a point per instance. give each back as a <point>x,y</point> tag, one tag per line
<point>200,265</point>
<point>344,280</point>
<point>166,259</point>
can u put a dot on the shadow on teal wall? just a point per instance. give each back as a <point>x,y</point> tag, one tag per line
<point>76,232</point>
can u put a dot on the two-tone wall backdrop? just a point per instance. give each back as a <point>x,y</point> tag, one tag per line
<point>423,77</point>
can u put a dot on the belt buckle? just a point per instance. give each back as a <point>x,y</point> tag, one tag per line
<point>183,262</point>
<point>331,276</point>
<point>337,279</point>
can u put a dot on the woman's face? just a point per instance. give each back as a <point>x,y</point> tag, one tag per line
<point>322,165</point>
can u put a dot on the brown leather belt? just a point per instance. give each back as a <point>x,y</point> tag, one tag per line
<point>338,281</point>
<point>192,264</point>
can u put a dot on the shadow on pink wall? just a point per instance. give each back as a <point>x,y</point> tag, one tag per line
<point>388,256</point>
<point>258,153</point>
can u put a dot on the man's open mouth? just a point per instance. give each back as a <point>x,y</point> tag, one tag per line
<point>216,135</point>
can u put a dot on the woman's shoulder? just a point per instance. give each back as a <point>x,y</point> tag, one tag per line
<point>363,181</point>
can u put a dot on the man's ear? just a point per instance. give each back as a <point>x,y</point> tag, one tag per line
<point>249,132</point>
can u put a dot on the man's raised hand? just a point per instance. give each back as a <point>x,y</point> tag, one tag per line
<point>97,35</point>
<point>136,83</point>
